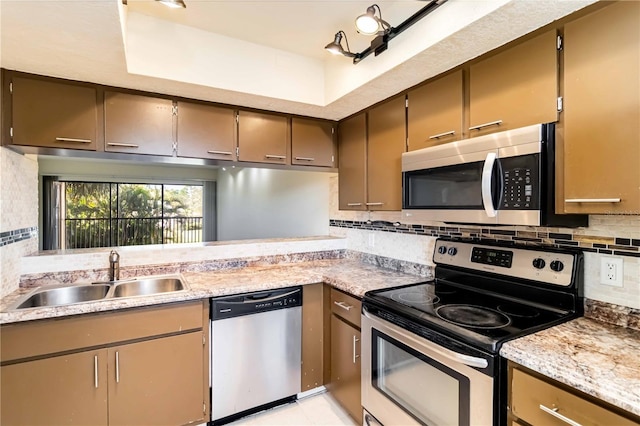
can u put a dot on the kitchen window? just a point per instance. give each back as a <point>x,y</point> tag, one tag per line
<point>107,214</point>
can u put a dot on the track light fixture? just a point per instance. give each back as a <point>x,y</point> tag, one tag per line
<point>335,47</point>
<point>370,24</point>
<point>174,4</point>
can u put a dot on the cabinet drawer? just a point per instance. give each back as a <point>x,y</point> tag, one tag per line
<point>37,338</point>
<point>540,403</point>
<point>346,306</point>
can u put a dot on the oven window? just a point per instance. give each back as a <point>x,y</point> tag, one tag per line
<point>429,391</point>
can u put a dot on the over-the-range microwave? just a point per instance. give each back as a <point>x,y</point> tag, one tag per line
<point>505,178</point>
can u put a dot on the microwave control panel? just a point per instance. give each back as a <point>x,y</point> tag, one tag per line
<point>521,182</point>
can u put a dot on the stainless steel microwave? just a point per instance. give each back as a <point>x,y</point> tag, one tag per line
<point>505,178</point>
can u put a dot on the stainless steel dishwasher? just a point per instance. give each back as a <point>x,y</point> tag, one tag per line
<point>255,351</point>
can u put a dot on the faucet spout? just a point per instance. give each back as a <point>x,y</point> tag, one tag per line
<point>114,266</point>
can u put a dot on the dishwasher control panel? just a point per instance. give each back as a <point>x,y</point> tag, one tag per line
<point>256,302</point>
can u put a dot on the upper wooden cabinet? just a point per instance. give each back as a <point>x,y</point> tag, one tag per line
<point>312,142</point>
<point>52,114</point>
<point>206,131</point>
<point>352,160</point>
<point>435,112</point>
<point>516,87</point>
<point>263,138</point>
<point>138,124</point>
<point>386,142</point>
<point>602,111</point>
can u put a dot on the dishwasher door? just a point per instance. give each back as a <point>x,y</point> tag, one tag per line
<point>256,359</point>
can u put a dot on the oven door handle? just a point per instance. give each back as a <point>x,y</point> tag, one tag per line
<point>487,177</point>
<point>469,360</point>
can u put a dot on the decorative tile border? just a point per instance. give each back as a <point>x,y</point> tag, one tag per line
<point>618,246</point>
<point>17,235</point>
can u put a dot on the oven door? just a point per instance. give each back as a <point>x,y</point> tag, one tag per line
<point>409,380</point>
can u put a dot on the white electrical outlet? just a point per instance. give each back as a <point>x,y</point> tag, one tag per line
<point>611,271</point>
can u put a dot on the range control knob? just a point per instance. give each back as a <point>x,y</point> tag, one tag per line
<point>452,251</point>
<point>557,266</point>
<point>442,249</point>
<point>538,263</point>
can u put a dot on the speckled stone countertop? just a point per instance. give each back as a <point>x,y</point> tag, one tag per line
<point>596,358</point>
<point>349,275</point>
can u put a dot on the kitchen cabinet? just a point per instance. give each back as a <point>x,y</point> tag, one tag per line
<point>52,114</point>
<point>601,159</point>
<point>312,142</point>
<point>516,87</point>
<point>344,383</point>
<point>386,141</point>
<point>352,157</point>
<point>435,112</point>
<point>206,131</point>
<point>263,138</point>
<point>151,368</point>
<point>537,400</point>
<point>138,124</point>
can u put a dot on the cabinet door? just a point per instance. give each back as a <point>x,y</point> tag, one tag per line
<point>314,336</point>
<point>157,382</point>
<point>345,367</point>
<point>51,114</point>
<point>205,131</point>
<point>385,144</point>
<point>62,390</point>
<point>352,157</point>
<point>434,115</point>
<point>263,138</point>
<point>517,87</point>
<point>138,124</point>
<point>312,142</point>
<point>602,111</point>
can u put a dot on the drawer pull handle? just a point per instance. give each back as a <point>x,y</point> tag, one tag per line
<point>305,159</point>
<point>123,145</point>
<point>593,200</point>
<point>355,340</point>
<point>481,126</point>
<point>442,135</point>
<point>73,140</point>
<point>219,152</point>
<point>554,413</point>
<point>354,204</point>
<point>374,204</point>
<point>275,157</point>
<point>117,367</point>
<point>95,370</point>
<point>343,305</point>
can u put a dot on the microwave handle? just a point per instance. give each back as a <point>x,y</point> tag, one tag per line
<point>487,174</point>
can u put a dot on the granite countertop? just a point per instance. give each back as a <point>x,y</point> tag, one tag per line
<point>352,276</point>
<point>599,359</point>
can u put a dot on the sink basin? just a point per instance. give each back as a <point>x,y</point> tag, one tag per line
<point>64,296</point>
<point>147,286</point>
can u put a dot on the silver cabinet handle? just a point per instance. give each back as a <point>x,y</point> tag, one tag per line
<point>73,140</point>
<point>355,340</point>
<point>354,204</point>
<point>305,158</point>
<point>276,157</point>
<point>219,152</point>
<point>593,200</point>
<point>442,135</point>
<point>485,186</point>
<point>554,413</point>
<point>491,123</point>
<point>123,145</point>
<point>343,305</point>
<point>95,370</point>
<point>374,204</point>
<point>117,367</point>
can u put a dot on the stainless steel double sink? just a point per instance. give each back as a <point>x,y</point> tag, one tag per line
<point>91,292</point>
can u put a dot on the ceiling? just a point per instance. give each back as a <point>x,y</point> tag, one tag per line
<point>264,54</point>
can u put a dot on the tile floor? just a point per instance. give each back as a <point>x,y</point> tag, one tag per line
<point>317,409</point>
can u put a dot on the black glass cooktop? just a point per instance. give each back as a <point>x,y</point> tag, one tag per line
<point>474,317</point>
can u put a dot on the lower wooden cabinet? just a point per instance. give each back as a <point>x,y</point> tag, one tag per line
<point>536,400</point>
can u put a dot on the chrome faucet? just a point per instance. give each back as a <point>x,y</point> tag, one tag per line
<point>114,266</point>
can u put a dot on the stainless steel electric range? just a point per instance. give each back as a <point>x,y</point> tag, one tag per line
<point>430,351</point>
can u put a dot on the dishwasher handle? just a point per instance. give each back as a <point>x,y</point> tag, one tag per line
<point>267,297</point>
<point>253,303</point>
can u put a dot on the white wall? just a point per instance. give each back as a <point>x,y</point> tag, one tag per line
<point>269,203</point>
